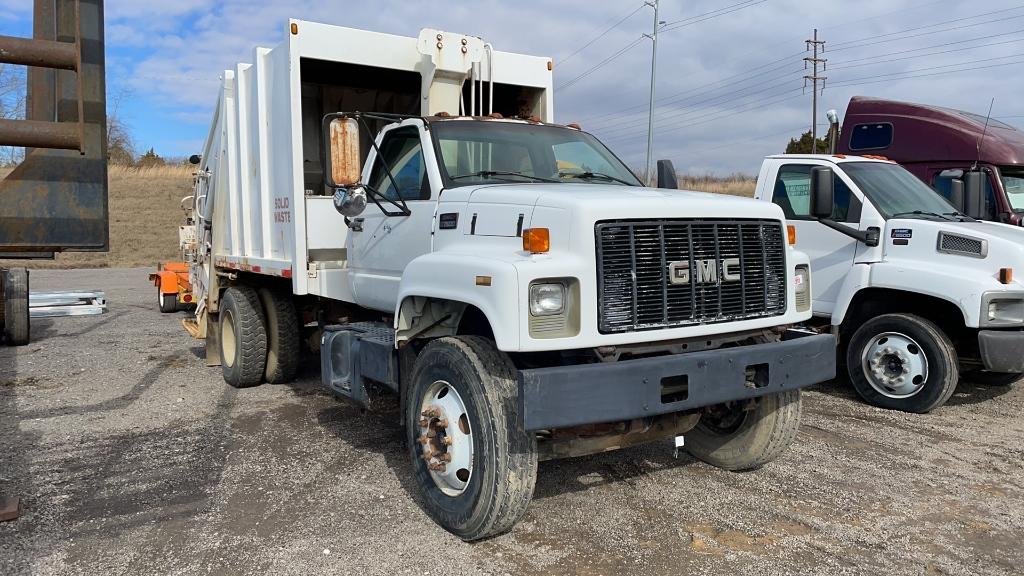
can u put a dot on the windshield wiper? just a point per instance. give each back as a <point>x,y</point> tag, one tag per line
<point>920,213</point>
<point>591,175</point>
<point>963,217</point>
<point>493,173</point>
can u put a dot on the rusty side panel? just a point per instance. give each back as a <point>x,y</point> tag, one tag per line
<point>345,151</point>
<point>56,199</point>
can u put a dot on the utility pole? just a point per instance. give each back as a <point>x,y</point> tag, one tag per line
<point>654,70</point>
<point>814,61</point>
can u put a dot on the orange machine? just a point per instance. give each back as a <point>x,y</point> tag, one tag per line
<point>173,289</point>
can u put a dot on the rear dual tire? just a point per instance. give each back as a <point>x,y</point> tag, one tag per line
<point>746,436</point>
<point>259,336</point>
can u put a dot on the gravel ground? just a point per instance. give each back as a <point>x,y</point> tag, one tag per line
<point>132,457</point>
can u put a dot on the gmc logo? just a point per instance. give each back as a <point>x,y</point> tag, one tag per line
<point>706,271</point>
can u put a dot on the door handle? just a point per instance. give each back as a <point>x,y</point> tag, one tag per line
<point>355,224</point>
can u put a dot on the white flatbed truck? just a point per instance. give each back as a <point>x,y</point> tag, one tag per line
<point>509,279</point>
<point>918,291</point>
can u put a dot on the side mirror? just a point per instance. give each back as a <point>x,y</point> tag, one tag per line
<point>194,159</point>
<point>341,144</point>
<point>667,175</point>
<point>822,193</point>
<point>974,194</point>
<point>351,201</point>
<point>956,195</point>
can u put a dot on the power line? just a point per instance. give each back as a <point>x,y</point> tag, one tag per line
<point>868,60</point>
<point>879,76</point>
<point>711,14</point>
<point>843,83</point>
<point>729,97</point>
<point>875,39</point>
<point>601,35</point>
<point>745,76</point>
<point>597,66</point>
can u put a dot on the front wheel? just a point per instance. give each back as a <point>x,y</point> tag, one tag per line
<point>743,436</point>
<point>902,362</point>
<point>473,463</point>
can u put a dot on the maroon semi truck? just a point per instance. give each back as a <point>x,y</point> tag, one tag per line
<point>942,146</point>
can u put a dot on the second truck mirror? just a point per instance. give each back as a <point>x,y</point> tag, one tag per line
<point>974,194</point>
<point>667,175</point>
<point>343,153</point>
<point>822,193</point>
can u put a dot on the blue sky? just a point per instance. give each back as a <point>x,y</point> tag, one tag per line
<point>729,71</point>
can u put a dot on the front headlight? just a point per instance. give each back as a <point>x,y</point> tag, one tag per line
<point>1005,311</point>
<point>802,287</point>
<point>547,299</point>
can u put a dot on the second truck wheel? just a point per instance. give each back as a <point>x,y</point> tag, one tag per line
<point>473,464</point>
<point>902,362</point>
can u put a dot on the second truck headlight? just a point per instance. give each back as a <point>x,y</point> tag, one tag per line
<point>547,299</point>
<point>802,284</point>
<point>1006,311</point>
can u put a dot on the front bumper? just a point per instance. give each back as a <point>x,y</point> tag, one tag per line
<point>1002,350</point>
<point>565,396</point>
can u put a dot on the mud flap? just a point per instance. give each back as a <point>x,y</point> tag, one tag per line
<point>212,340</point>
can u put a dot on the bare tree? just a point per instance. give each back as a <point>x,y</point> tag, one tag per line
<point>12,107</point>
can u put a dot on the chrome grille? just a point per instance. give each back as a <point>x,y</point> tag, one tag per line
<point>642,284</point>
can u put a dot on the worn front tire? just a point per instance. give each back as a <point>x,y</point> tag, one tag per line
<point>737,437</point>
<point>243,337</point>
<point>917,369</point>
<point>487,496</point>
<point>282,335</point>
<point>16,325</point>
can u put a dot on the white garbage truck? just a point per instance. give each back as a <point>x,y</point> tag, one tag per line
<point>920,291</point>
<point>408,207</point>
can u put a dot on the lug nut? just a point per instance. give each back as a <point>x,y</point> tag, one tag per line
<point>423,439</point>
<point>448,440</point>
<point>424,422</point>
<point>446,457</point>
<point>442,423</point>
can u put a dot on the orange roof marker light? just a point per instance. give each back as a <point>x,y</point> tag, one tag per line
<point>876,157</point>
<point>536,240</point>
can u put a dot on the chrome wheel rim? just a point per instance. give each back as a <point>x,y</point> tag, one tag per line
<point>895,365</point>
<point>446,438</point>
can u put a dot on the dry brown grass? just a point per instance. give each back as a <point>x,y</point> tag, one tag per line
<point>735,185</point>
<point>144,217</point>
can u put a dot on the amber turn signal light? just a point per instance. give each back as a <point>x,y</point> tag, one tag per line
<point>791,234</point>
<point>536,240</point>
<point>1006,275</point>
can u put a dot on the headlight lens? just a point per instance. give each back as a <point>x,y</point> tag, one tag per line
<point>1006,311</point>
<point>547,299</point>
<point>802,284</point>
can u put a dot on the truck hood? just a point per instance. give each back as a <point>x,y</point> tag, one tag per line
<point>602,201</point>
<point>919,241</point>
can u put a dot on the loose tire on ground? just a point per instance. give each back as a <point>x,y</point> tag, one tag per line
<point>732,438</point>
<point>499,481</point>
<point>16,325</point>
<point>992,378</point>
<point>243,337</point>
<point>282,335</point>
<point>915,343</point>
<point>168,302</point>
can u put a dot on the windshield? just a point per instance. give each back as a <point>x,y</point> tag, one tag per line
<point>486,152</point>
<point>1013,184</point>
<point>894,191</point>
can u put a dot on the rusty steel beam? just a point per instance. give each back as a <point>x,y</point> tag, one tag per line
<point>38,52</point>
<point>36,134</point>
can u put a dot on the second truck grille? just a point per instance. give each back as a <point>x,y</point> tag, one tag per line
<point>670,273</point>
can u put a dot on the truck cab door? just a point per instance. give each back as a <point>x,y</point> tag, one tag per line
<point>380,246</point>
<point>831,253</point>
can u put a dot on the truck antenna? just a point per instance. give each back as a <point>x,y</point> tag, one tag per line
<point>984,131</point>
